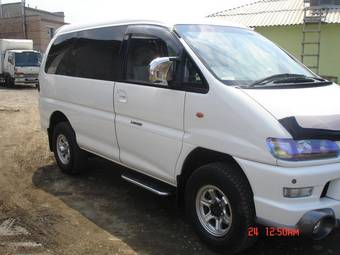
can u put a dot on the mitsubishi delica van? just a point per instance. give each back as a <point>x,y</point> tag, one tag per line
<point>239,130</point>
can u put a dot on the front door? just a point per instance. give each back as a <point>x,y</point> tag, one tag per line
<point>149,118</point>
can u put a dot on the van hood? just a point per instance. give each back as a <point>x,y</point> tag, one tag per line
<point>312,112</point>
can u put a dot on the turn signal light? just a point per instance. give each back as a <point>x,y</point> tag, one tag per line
<point>297,192</point>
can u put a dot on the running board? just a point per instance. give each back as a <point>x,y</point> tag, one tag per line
<point>157,187</point>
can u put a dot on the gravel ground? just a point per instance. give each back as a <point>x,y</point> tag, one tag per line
<point>43,211</point>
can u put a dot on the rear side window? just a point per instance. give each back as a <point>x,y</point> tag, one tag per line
<point>94,54</point>
<point>57,60</point>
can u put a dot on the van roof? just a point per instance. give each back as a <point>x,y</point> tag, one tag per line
<point>82,26</point>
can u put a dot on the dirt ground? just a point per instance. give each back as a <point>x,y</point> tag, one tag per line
<point>43,211</point>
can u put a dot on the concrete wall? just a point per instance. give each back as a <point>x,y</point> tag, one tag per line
<point>290,38</point>
<point>15,10</point>
<point>44,34</point>
<point>11,10</point>
<point>57,17</point>
<point>37,30</point>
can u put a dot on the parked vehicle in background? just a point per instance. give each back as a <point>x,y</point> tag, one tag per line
<point>241,131</point>
<point>19,63</point>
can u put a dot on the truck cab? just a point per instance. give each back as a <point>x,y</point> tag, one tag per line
<point>22,66</point>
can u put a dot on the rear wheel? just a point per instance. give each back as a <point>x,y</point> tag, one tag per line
<point>219,204</point>
<point>70,158</point>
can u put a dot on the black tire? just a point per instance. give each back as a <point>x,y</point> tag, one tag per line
<point>230,179</point>
<point>78,158</point>
<point>9,82</point>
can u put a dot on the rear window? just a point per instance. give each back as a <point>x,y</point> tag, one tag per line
<point>93,54</point>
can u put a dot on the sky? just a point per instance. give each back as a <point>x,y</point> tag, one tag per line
<point>78,11</point>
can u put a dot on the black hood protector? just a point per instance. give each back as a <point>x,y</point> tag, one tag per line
<point>326,127</point>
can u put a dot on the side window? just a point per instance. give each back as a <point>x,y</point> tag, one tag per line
<point>96,54</point>
<point>93,54</point>
<point>11,58</point>
<point>57,60</point>
<point>192,78</point>
<point>142,50</point>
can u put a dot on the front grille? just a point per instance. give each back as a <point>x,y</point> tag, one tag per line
<point>33,76</point>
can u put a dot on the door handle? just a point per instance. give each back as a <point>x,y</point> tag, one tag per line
<point>122,96</point>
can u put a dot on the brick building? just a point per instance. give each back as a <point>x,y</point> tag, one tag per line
<point>31,23</point>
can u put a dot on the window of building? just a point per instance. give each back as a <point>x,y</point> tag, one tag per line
<point>50,32</point>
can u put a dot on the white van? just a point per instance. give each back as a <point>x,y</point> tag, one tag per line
<point>233,125</point>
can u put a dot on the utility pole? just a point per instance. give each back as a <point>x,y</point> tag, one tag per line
<point>0,9</point>
<point>24,27</point>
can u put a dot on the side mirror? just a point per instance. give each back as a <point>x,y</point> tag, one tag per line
<point>161,70</point>
<point>11,59</point>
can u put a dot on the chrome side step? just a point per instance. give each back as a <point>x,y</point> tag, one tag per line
<point>148,183</point>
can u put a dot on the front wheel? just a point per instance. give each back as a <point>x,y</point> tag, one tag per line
<point>220,206</point>
<point>9,82</point>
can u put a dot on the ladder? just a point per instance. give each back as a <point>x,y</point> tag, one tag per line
<point>311,35</point>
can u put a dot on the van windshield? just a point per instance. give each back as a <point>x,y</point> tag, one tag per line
<point>238,56</point>
<point>27,59</point>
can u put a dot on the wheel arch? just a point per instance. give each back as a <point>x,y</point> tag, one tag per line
<point>197,158</point>
<point>56,117</point>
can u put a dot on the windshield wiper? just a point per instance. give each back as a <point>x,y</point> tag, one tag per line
<point>287,78</point>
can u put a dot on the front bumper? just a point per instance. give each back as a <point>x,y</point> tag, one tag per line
<point>268,181</point>
<point>27,80</point>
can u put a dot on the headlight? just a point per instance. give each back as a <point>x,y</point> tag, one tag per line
<point>295,150</point>
<point>19,74</point>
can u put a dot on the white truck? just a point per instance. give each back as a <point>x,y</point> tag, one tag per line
<point>19,63</point>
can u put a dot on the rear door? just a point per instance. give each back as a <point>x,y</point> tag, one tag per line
<point>149,118</point>
<point>83,67</point>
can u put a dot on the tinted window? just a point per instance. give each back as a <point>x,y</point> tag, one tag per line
<point>94,54</point>
<point>192,78</point>
<point>57,60</point>
<point>142,50</point>
<point>191,74</point>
